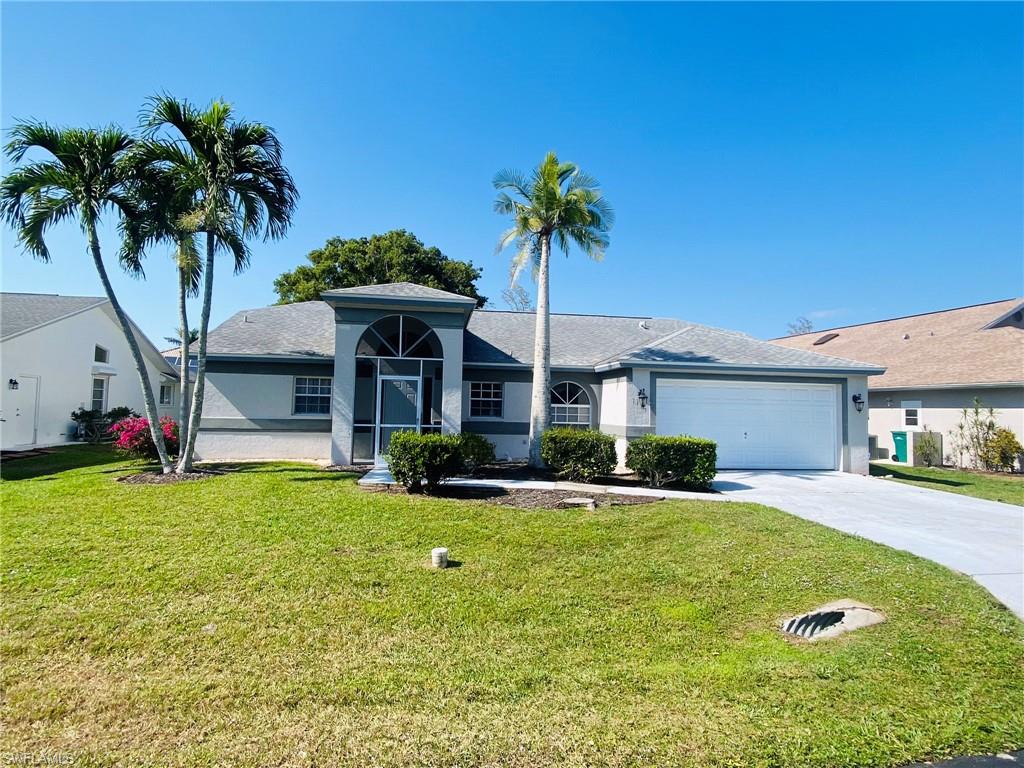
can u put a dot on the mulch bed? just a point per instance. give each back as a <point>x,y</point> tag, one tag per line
<point>355,469</point>
<point>158,478</point>
<point>521,498</point>
<point>518,470</point>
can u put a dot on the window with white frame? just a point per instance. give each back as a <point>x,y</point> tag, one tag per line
<point>570,405</point>
<point>312,395</point>
<point>911,412</point>
<point>486,399</point>
<point>166,394</point>
<point>99,393</point>
<point>100,355</point>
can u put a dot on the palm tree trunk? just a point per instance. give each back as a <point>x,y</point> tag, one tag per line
<point>196,412</point>
<point>540,399</point>
<point>133,345</point>
<point>183,362</point>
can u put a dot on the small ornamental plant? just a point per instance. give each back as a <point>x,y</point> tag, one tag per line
<point>133,438</point>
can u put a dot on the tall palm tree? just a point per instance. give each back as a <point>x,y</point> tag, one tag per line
<point>555,202</point>
<point>231,170</point>
<point>163,215</point>
<point>85,176</point>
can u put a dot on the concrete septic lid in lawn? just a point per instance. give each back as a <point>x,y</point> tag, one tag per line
<point>832,620</point>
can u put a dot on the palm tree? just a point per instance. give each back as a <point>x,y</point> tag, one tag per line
<point>556,202</point>
<point>232,173</point>
<point>163,214</point>
<point>84,176</point>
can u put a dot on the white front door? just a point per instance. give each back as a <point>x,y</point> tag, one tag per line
<point>397,409</point>
<point>757,425</point>
<point>20,413</point>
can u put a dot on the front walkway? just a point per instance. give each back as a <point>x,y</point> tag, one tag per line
<point>983,539</point>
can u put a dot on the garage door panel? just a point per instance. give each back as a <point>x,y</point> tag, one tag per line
<point>756,425</point>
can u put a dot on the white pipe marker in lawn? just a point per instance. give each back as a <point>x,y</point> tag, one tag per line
<point>439,557</point>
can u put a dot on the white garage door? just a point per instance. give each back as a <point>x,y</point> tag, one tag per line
<point>756,425</point>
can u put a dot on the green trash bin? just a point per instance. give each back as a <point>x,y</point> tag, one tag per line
<point>899,441</point>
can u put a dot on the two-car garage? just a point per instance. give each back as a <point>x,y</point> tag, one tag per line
<point>757,425</point>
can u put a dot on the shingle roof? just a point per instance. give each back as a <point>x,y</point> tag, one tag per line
<point>20,312</point>
<point>307,330</point>
<point>400,291</point>
<point>704,345</point>
<point>948,347</point>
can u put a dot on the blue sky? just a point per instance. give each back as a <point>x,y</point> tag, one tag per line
<point>844,162</point>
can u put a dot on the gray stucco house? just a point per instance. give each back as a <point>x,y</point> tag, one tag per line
<point>332,380</point>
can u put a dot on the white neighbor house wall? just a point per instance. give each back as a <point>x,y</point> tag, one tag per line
<point>941,411</point>
<point>61,356</point>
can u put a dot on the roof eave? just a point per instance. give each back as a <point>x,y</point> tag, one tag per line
<point>742,367</point>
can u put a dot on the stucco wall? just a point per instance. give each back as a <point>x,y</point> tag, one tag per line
<point>61,356</point>
<point>247,413</point>
<point>510,433</point>
<point>941,412</point>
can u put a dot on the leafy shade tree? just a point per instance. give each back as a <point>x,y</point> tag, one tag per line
<point>556,203</point>
<point>799,326</point>
<point>85,176</point>
<point>232,173</point>
<point>394,257</point>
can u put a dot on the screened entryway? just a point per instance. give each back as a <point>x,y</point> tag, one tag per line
<point>398,384</point>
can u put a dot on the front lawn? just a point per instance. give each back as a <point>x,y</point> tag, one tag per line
<point>984,485</point>
<point>278,615</point>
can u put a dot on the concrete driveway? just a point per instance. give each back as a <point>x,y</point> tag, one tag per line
<point>984,539</point>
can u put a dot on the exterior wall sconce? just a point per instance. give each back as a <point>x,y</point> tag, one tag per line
<point>12,384</point>
<point>888,402</point>
<point>858,402</point>
<point>642,397</point>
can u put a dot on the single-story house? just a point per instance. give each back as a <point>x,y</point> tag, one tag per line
<point>332,380</point>
<point>936,364</point>
<point>62,353</point>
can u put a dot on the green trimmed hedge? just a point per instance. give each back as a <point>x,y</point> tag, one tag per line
<point>578,454</point>
<point>414,459</point>
<point>659,460</point>
<point>417,459</point>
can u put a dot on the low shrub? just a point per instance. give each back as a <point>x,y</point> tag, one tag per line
<point>1001,450</point>
<point>578,454</point>
<point>133,437</point>
<point>477,450</point>
<point>414,459</point>
<point>658,460</point>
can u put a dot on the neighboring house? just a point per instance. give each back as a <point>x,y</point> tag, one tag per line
<point>332,380</point>
<point>935,365</point>
<point>61,353</point>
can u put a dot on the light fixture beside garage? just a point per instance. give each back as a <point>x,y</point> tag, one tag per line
<point>642,397</point>
<point>858,402</point>
<point>12,384</point>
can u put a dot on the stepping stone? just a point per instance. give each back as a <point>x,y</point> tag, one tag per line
<point>578,501</point>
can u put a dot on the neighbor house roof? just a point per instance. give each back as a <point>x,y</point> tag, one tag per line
<point>21,312</point>
<point>306,330</point>
<point>954,347</point>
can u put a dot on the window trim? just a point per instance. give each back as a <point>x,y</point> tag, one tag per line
<point>106,393</point>
<point>589,423</point>
<point>329,396</point>
<point>500,400</point>
<point>911,405</point>
<point>160,395</point>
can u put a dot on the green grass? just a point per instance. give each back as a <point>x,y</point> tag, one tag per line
<point>280,616</point>
<point>983,485</point>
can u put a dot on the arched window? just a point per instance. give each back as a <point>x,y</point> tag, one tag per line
<point>570,405</point>
<point>399,336</point>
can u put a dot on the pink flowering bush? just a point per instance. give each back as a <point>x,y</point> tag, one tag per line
<point>132,436</point>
